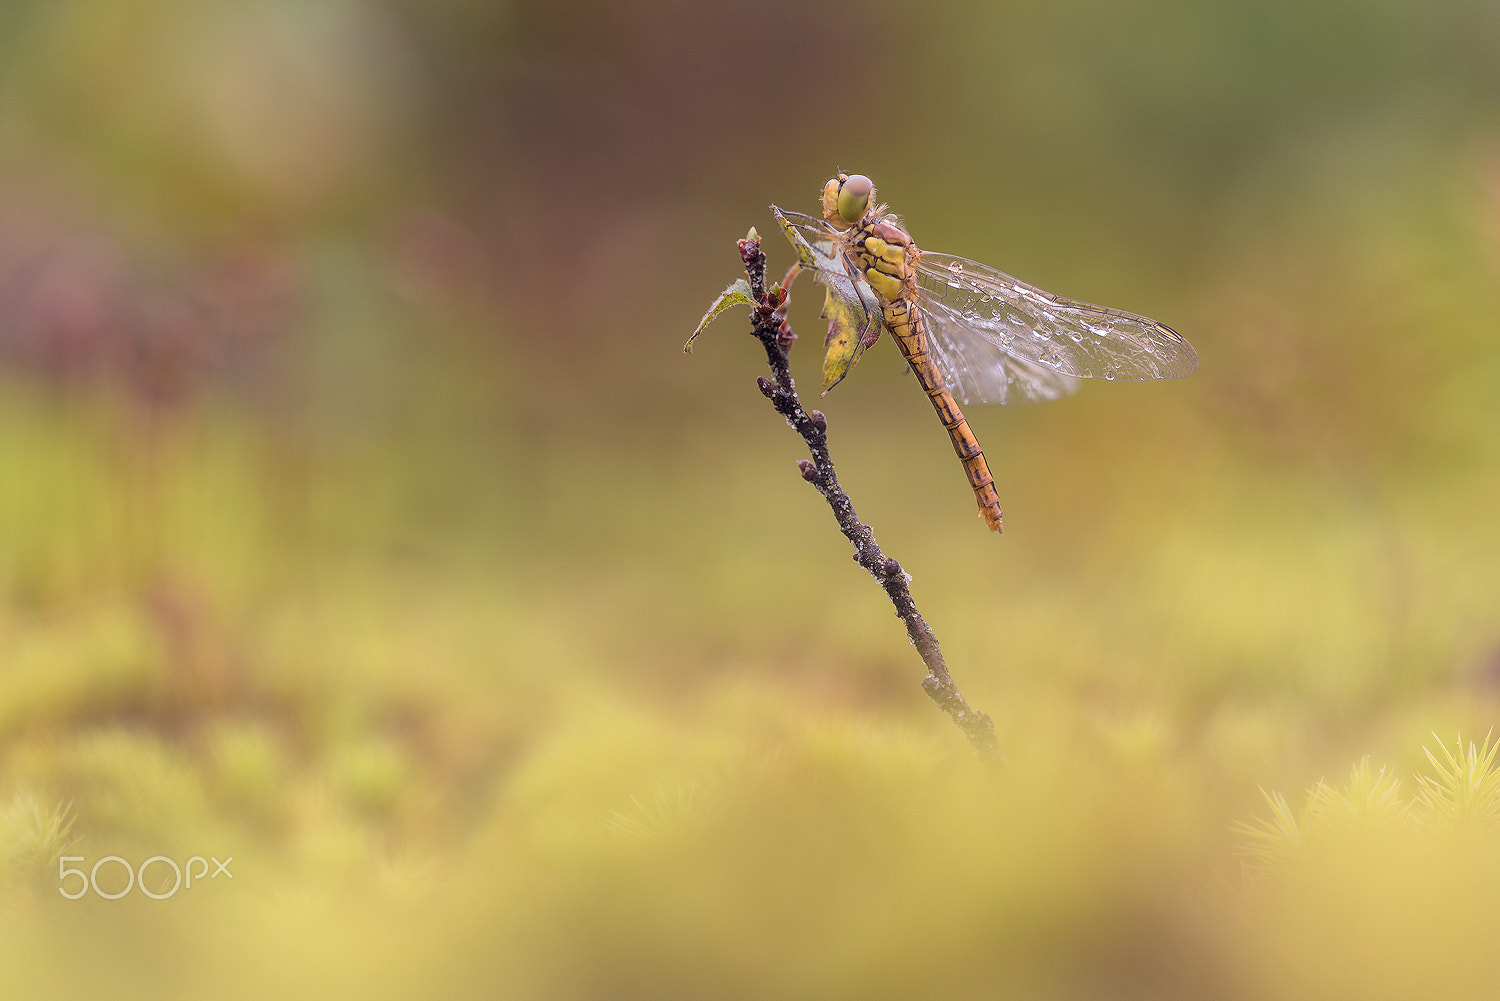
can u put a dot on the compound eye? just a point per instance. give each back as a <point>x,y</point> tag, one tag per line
<point>854,198</point>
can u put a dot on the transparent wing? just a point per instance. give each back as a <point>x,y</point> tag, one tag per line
<point>815,241</point>
<point>1037,329</point>
<point>978,370</point>
<point>816,244</point>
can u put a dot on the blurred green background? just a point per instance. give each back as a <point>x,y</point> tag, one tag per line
<point>361,519</point>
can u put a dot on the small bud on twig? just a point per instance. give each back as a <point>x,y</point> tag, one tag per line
<point>766,386</point>
<point>809,470</point>
<point>751,253</point>
<point>819,421</point>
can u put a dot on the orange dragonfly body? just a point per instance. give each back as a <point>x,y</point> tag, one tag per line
<point>965,329</point>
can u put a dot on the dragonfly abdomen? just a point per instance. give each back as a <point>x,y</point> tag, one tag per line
<point>904,319</point>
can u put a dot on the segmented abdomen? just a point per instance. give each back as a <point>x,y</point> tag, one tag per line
<point>905,321</point>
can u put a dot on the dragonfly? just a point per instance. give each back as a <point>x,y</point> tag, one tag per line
<point>968,332</point>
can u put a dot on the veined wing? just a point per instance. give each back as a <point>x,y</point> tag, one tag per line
<point>816,251</point>
<point>851,307</point>
<point>807,229</point>
<point>1036,329</point>
<point>978,370</point>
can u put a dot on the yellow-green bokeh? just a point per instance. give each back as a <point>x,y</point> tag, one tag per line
<point>361,519</point>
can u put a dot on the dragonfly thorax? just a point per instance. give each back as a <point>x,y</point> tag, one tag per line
<point>886,257</point>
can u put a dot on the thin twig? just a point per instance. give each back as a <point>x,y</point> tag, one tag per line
<point>776,336</point>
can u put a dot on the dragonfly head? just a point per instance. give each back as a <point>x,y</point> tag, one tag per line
<point>846,199</point>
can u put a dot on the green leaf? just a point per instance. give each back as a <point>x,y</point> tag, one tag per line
<point>737,294</point>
